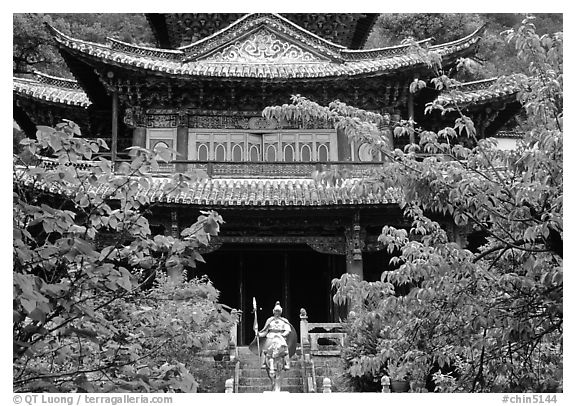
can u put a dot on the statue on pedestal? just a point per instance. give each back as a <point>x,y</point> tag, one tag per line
<point>275,344</point>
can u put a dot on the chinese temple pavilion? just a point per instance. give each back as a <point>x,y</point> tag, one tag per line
<point>201,93</point>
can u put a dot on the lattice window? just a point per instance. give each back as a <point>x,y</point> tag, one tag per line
<point>285,145</point>
<point>323,155</point>
<point>288,153</point>
<point>255,153</point>
<point>305,153</point>
<point>271,153</point>
<point>203,152</point>
<point>220,152</point>
<point>237,153</point>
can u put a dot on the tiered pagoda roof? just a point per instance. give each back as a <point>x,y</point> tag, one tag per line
<point>177,29</point>
<point>51,89</point>
<point>45,88</point>
<point>264,47</point>
<point>478,92</point>
<point>257,192</point>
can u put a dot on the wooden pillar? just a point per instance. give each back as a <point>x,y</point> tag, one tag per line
<point>114,146</point>
<point>285,285</point>
<point>355,264</point>
<point>139,138</point>
<point>242,299</point>
<point>174,229</point>
<point>411,114</point>
<point>354,245</point>
<point>344,148</point>
<point>182,141</point>
<point>331,274</point>
<point>181,147</point>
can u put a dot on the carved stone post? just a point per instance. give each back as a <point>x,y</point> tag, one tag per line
<point>229,386</point>
<point>304,339</point>
<point>385,382</point>
<point>233,346</point>
<point>182,141</point>
<point>326,385</point>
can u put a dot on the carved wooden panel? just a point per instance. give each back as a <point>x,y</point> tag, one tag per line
<point>263,46</point>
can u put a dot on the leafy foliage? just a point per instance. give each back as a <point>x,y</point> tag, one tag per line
<point>490,320</point>
<point>34,49</point>
<point>81,318</point>
<point>495,55</point>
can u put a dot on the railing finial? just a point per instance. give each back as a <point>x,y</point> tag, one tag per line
<point>385,382</point>
<point>326,385</point>
<point>229,386</point>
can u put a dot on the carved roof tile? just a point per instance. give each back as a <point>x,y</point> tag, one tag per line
<point>479,92</point>
<point>264,46</point>
<point>243,192</point>
<point>51,89</point>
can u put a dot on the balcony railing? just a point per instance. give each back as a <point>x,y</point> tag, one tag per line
<point>267,169</point>
<point>246,169</point>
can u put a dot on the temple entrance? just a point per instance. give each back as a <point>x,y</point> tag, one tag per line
<point>295,275</point>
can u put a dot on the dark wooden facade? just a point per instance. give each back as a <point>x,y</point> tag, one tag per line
<point>202,94</point>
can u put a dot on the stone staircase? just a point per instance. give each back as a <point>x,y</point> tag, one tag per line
<point>253,379</point>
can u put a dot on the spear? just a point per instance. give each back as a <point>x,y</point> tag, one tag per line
<point>256,324</point>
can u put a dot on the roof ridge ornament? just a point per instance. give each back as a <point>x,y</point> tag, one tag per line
<point>302,55</point>
<point>264,46</point>
<point>56,81</point>
<point>253,24</point>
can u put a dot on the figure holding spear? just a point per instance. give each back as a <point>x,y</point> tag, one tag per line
<point>275,327</point>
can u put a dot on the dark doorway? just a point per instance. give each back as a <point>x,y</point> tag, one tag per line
<point>263,279</point>
<point>295,275</point>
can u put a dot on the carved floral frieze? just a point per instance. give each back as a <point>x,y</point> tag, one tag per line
<point>263,46</point>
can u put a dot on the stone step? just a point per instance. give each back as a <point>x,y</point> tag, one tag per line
<point>254,358</point>
<point>257,365</point>
<point>246,381</point>
<point>260,389</point>
<point>261,373</point>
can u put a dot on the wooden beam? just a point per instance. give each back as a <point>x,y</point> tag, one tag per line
<point>242,300</point>
<point>114,146</point>
<point>411,114</point>
<point>285,285</point>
